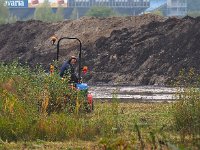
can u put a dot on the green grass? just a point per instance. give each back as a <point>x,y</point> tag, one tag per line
<point>33,115</point>
<point>99,129</point>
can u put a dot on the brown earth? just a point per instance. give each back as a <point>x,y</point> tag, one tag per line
<point>142,50</point>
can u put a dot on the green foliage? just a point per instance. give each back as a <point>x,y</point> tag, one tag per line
<point>44,13</point>
<point>117,143</point>
<point>16,117</point>
<point>26,96</point>
<point>59,16</point>
<point>100,12</point>
<point>12,19</point>
<point>4,13</point>
<point>158,12</point>
<point>5,17</point>
<point>186,111</point>
<point>33,106</point>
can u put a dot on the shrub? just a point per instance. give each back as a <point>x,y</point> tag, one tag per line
<point>186,111</point>
<point>100,12</point>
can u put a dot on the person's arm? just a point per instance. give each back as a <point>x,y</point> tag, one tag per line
<point>64,68</point>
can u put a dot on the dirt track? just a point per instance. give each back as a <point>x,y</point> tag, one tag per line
<point>143,50</point>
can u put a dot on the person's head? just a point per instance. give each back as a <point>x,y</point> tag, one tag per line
<point>73,60</point>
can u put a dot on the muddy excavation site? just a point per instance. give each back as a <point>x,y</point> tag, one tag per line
<point>137,50</point>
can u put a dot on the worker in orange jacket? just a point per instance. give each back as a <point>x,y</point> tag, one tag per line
<point>53,39</point>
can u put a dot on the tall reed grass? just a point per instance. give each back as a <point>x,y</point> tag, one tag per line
<point>186,111</point>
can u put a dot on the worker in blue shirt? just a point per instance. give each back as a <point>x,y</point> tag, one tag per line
<point>68,70</point>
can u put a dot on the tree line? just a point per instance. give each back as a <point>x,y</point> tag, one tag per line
<point>44,13</point>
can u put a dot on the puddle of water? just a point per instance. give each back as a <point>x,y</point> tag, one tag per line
<point>150,93</point>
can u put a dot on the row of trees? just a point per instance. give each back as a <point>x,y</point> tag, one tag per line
<point>44,13</point>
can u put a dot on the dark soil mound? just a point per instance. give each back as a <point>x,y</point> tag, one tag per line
<point>144,50</point>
